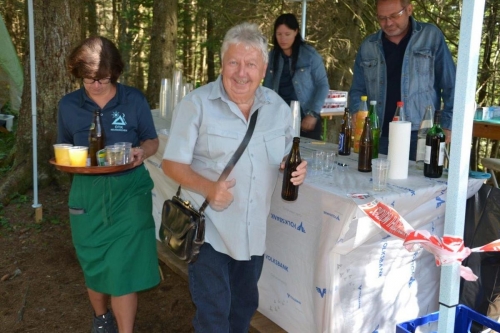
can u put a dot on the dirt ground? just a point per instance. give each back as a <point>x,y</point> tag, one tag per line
<point>42,287</point>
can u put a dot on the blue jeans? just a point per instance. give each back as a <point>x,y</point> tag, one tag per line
<point>224,291</point>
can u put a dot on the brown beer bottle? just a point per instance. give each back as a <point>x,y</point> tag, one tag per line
<point>290,192</point>
<point>96,138</point>
<point>365,148</point>
<point>345,134</point>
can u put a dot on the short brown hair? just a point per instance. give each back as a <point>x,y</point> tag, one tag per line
<point>404,3</point>
<point>96,57</point>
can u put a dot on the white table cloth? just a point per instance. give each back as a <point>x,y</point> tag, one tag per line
<point>328,267</point>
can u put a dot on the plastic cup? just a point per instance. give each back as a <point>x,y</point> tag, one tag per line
<point>127,152</point>
<point>380,170</point>
<point>78,156</point>
<point>114,154</point>
<point>61,151</point>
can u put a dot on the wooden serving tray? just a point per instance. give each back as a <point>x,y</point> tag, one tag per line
<point>95,170</point>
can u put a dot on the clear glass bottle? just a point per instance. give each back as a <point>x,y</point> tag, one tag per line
<point>425,125</point>
<point>290,192</point>
<point>375,127</point>
<point>399,114</point>
<point>434,149</point>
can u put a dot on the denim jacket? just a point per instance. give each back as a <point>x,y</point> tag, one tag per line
<point>309,81</point>
<point>428,74</point>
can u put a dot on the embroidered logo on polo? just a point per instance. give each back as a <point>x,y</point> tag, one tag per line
<point>119,122</point>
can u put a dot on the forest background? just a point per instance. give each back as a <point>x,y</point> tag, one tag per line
<point>155,37</point>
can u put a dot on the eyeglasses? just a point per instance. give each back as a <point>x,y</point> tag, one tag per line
<point>106,80</point>
<point>391,17</point>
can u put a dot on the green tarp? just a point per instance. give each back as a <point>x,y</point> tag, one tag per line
<point>11,73</point>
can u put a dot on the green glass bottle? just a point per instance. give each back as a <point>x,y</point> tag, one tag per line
<point>435,149</point>
<point>375,126</point>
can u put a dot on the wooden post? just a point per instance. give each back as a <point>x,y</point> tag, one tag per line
<point>38,214</point>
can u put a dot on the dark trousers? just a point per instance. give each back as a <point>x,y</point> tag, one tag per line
<point>224,291</point>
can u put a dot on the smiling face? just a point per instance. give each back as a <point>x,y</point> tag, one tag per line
<point>394,19</point>
<point>243,68</point>
<point>285,37</point>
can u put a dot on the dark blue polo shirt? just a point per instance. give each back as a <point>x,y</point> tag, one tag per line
<point>125,118</point>
<point>394,56</point>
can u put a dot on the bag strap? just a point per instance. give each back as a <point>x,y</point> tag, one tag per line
<point>232,162</point>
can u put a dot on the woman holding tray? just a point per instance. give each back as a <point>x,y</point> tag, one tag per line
<point>111,219</point>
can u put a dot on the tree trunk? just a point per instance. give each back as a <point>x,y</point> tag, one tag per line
<point>486,72</point>
<point>163,46</point>
<point>15,21</point>
<point>57,29</point>
<point>210,48</point>
<point>91,21</point>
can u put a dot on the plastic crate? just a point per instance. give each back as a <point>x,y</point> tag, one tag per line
<point>464,317</point>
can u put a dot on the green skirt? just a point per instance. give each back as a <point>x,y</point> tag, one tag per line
<point>113,231</point>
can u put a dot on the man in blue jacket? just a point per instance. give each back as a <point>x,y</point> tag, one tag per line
<point>405,61</point>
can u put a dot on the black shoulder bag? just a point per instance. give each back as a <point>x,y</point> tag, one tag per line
<point>182,227</point>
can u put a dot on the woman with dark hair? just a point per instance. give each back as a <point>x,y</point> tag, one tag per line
<point>296,72</point>
<point>111,218</point>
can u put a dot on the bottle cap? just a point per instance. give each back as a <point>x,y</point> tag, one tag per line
<point>364,98</point>
<point>373,102</point>
<point>400,103</point>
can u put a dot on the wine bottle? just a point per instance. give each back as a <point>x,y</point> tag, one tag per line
<point>345,134</point>
<point>96,138</point>
<point>290,192</point>
<point>434,149</point>
<point>365,148</point>
<point>375,127</point>
<point>359,119</point>
<point>399,114</point>
<point>425,125</point>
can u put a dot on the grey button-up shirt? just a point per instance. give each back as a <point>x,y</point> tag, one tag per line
<point>206,130</point>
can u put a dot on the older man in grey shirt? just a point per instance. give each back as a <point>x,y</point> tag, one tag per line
<point>207,128</point>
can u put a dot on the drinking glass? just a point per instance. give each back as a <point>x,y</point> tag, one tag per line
<point>114,154</point>
<point>78,156</point>
<point>329,161</point>
<point>127,153</point>
<point>318,160</point>
<point>61,151</point>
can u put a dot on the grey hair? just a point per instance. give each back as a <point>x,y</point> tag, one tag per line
<point>248,34</point>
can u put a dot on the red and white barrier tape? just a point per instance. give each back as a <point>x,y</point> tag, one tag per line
<point>446,250</point>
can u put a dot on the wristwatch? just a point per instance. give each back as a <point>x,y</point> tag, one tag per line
<point>312,113</point>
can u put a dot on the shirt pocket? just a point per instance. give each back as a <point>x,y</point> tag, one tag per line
<point>275,146</point>
<point>370,68</point>
<point>220,141</point>
<point>424,62</point>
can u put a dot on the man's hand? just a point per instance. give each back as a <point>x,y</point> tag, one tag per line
<point>308,123</point>
<point>298,175</point>
<point>219,196</point>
